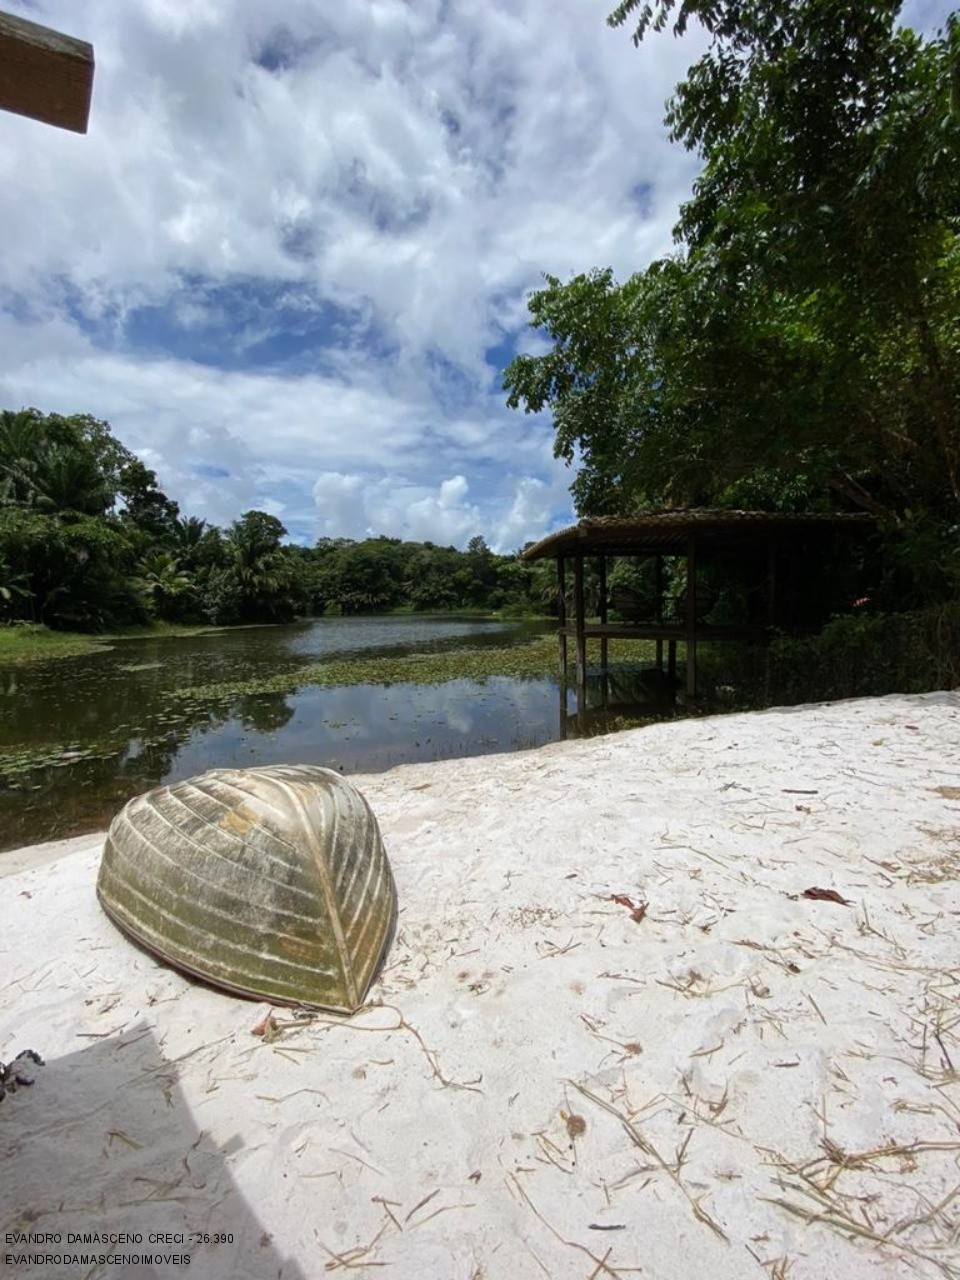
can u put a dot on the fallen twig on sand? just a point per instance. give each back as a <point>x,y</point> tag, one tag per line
<point>401,1024</point>
<point>819,1199</point>
<point>602,1266</point>
<point>647,1147</point>
<point>354,1259</point>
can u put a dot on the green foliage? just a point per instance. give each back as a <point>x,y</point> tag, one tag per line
<point>89,541</point>
<point>169,590</point>
<point>385,574</point>
<point>872,655</point>
<point>861,655</point>
<point>68,571</point>
<point>145,506</point>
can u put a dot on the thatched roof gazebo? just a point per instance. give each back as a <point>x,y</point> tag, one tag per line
<point>767,546</point>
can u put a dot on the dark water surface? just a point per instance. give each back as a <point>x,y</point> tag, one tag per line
<point>79,736</point>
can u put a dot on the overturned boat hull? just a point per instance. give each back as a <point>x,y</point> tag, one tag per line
<point>272,883</point>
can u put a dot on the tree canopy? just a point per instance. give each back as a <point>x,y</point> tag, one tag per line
<point>801,345</point>
<point>89,540</point>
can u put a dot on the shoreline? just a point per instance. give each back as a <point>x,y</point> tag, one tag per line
<point>541,1083</point>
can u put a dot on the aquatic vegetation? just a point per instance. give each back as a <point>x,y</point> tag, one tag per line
<point>532,660</point>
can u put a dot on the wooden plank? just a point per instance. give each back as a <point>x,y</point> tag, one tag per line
<point>45,75</point>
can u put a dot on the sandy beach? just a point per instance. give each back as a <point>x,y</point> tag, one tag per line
<point>616,1034</point>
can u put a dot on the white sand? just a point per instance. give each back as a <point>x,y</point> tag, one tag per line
<point>537,1065</point>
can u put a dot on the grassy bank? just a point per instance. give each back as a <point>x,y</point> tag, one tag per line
<point>29,642</point>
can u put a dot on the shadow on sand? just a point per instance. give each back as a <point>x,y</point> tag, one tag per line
<point>104,1142</point>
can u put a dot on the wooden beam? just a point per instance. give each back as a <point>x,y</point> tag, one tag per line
<point>45,75</point>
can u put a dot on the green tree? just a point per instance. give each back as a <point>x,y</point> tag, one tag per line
<point>258,580</point>
<point>71,573</point>
<point>145,505</point>
<point>169,590</point>
<point>53,463</point>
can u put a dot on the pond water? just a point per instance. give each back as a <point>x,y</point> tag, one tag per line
<point>79,736</point>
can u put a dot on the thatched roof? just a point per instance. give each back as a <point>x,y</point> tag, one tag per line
<point>666,532</point>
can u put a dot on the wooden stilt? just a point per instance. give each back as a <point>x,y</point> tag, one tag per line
<point>691,618</point>
<point>580,624</point>
<point>604,642</point>
<point>562,619</point>
<point>658,604</point>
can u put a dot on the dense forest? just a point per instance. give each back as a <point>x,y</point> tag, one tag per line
<point>89,542</point>
<point>800,348</point>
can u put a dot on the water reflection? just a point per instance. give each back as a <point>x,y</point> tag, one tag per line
<point>623,696</point>
<point>80,737</point>
<point>365,728</point>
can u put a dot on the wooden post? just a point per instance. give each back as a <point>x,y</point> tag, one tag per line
<point>691,619</point>
<point>771,612</point>
<point>672,661</point>
<point>580,623</point>
<point>658,605</point>
<point>604,643</point>
<point>562,617</point>
<point>45,75</point>
<point>771,577</point>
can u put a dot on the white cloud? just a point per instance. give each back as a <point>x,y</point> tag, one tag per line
<point>351,505</point>
<point>356,506</point>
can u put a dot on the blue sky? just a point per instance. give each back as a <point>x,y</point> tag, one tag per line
<point>291,257</point>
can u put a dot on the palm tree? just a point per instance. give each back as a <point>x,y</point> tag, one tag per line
<point>163,583</point>
<point>21,447</point>
<point>66,479</point>
<point>13,587</point>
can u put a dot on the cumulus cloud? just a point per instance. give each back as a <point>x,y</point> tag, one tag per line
<point>357,506</point>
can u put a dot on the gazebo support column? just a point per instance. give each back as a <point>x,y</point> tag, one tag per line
<point>658,606</point>
<point>580,624</point>
<point>562,618</point>
<point>771,578</point>
<point>771,610</point>
<point>691,618</point>
<point>604,642</point>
